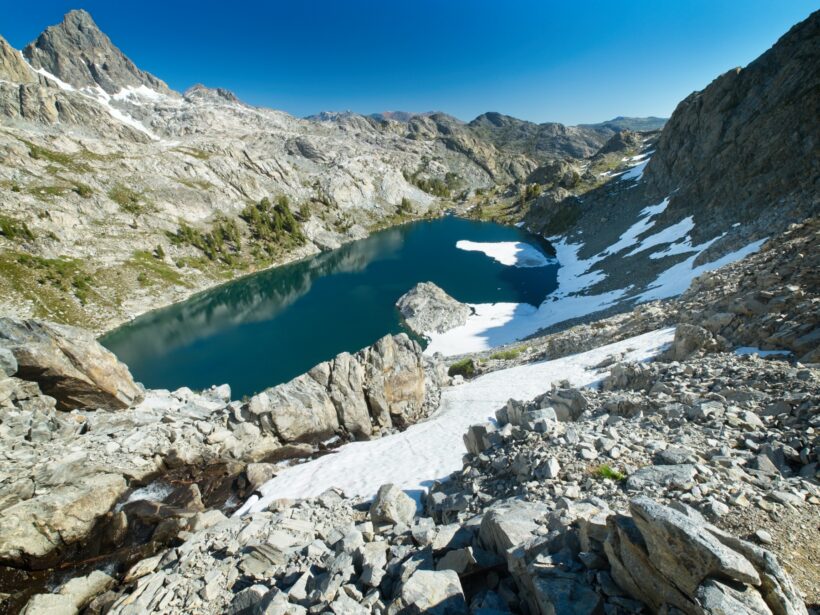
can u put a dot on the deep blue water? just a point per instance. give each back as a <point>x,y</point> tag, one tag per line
<point>269,327</point>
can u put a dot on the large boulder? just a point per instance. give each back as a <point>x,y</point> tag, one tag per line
<point>69,365</point>
<point>33,528</point>
<point>426,309</point>
<point>669,557</point>
<point>690,339</point>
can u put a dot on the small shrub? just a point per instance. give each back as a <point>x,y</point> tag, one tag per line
<point>406,206</point>
<point>464,367</point>
<point>606,472</point>
<point>129,200</point>
<point>14,229</point>
<point>84,190</point>
<point>506,355</point>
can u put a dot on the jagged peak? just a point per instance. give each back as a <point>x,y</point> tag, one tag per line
<point>77,52</point>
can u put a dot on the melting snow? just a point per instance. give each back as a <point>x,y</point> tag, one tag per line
<point>510,253</point>
<point>668,235</point>
<point>635,172</point>
<point>677,278</point>
<point>433,449</point>
<point>495,324</point>
<point>644,223</point>
<point>62,84</point>
<point>141,91</point>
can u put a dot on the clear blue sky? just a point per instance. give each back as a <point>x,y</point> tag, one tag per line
<point>570,62</point>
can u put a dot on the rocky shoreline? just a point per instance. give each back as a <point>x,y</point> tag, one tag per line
<point>568,494</point>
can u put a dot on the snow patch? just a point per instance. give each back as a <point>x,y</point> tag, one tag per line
<point>60,83</point>
<point>433,449</point>
<point>636,172</point>
<point>510,253</point>
<point>644,223</point>
<point>668,235</point>
<point>104,99</point>
<point>677,278</point>
<point>141,91</point>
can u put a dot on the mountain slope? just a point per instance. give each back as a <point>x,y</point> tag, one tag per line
<point>78,53</point>
<point>748,145</point>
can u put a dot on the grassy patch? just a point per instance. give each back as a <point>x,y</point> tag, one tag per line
<point>199,154</point>
<point>58,288</point>
<point>605,472</point>
<point>152,270</point>
<point>72,162</point>
<point>196,184</point>
<point>14,229</point>
<point>129,200</point>
<point>506,355</point>
<point>46,193</point>
<point>464,367</point>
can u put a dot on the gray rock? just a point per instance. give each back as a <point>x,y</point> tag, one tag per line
<point>434,592</point>
<point>69,365</point>
<point>426,309</point>
<point>8,364</point>
<point>509,524</point>
<point>556,591</point>
<point>688,340</point>
<point>667,476</point>
<point>391,506</point>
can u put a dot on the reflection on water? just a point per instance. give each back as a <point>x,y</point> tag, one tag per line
<point>269,327</point>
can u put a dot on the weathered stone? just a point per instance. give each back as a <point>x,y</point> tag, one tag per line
<point>434,592</point>
<point>391,505</point>
<point>69,365</point>
<point>426,309</point>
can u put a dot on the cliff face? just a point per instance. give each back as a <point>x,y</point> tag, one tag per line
<point>748,142</point>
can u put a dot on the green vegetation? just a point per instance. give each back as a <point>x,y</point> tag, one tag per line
<point>152,270</point>
<point>434,185</point>
<point>506,355</point>
<point>605,472</point>
<point>46,193</point>
<point>84,190</point>
<point>406,206</point>
<point>14,229</point>
<point>129,200</point>
<point>72,162</point>
<point>273,226</point>
<point>196,184</point>
<point>63,274</point>
<point>464,367</point>
<point>222,242</point>
<point>199,154</point>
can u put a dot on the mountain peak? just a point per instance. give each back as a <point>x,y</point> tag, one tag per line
<point>77,52</point>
